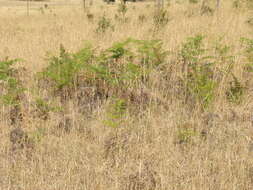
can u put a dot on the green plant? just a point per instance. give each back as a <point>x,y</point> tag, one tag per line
<point>198,78</point>
<point>222,53</point>
<point>223,58</point>
<point>10,84</point>
<point>127,62</point>
<point>43,108</point>
<point>117,71</point>
<point>104,24</point>
<point>63,70</point>
<point>192,50</point>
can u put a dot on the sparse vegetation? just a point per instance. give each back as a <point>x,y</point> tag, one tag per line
<point>104,24</point>
<point>125,97</point>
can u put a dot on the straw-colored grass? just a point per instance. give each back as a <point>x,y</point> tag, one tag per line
<point>145,153</point>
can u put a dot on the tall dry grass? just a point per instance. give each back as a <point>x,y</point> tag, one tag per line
<point>146,152</point>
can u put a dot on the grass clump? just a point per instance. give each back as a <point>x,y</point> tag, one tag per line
<point>63,70</point>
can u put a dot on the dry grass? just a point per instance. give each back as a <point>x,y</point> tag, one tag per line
<point>74,151</point>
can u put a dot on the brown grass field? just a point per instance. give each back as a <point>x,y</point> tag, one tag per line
<point>165,131</point>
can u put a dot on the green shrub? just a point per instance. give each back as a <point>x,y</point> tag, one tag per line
<point>198,79</point>
<point>118,71</point>
<point>127,62</point>
<point>9,83</point>
<point>63,69</point>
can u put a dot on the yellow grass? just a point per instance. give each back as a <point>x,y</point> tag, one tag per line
<point>143,154</point>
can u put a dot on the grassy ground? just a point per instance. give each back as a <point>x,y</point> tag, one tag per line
<point>165,137</point>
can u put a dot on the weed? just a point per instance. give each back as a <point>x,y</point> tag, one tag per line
<point>199,81</point>
<point>43,108</point>
<point>116,71</point>
<point>62,71</point>
<point>223,58</point>
<point>128,62</point>
<point>222,53</point>
<point>115,113</point>
<point>193,50</point>
<point>63,74</point>
<point>104,24</point>
<point>12,87</point>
